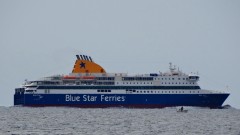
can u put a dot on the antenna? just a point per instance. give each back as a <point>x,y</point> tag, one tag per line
<point>171,67</point>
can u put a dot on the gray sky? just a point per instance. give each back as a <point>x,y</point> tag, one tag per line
<point>41,38</point>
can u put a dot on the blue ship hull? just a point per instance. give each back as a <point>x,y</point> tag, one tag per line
<point>121,100</point>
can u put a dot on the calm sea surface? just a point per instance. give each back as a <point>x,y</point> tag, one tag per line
<point>118,121</point>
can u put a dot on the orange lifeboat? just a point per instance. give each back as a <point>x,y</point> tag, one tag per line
<point>69,77</point>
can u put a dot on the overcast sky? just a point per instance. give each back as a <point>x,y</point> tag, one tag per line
<point>41,38</point>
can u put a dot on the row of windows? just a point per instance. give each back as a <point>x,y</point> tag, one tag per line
<point>177,83</point>
<point>137,83</point>
<point>137,91</point>
<point>105,78</point>
<point>93,83</point>
<point>193,77</point>
<point>171,78</point>
<point>44,82</point>
<point>152,83</point>
<point>137,78</point>
<point>104,83</point>
<point>31,91</point>
<point>103,90</point>
<point>117,87</point>
<point>131,90</point>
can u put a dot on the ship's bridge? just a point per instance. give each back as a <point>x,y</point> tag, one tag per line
<point>193,77</point>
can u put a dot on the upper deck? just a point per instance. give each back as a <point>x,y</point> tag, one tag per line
<point>86,72</point>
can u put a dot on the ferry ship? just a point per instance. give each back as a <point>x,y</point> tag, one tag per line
<point>90,86</point>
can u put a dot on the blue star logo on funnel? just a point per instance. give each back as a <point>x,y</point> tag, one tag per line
<point>82,65</point>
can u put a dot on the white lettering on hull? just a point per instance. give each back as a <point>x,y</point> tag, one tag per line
<point>72,98</point>
<point>88,98</point>
<point>112,98</point>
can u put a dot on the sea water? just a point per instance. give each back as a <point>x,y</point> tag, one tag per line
<point>118,121</point>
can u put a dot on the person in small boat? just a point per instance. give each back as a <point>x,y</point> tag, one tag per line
<point>181,109</point>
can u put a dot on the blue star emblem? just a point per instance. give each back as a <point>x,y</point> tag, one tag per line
<point>82,65</point>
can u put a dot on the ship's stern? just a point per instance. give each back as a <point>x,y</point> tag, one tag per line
<point>19,96</point>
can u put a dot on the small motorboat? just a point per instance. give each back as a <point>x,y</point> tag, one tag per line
<point>185,111</point>
<point>182,110</point>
